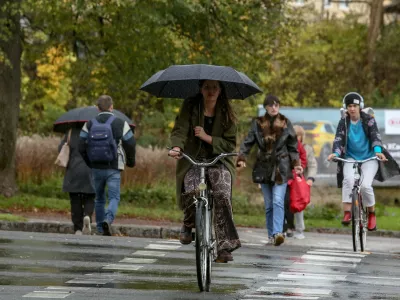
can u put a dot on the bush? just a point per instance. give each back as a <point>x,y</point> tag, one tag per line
<point>329,211</point>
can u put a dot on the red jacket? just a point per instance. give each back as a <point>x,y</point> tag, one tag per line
<point>302,154</point>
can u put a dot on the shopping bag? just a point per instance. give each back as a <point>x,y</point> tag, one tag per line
<point>63,156</point>
<point>299,193</point>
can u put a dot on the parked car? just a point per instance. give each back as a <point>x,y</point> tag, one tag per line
<point>320,134</point>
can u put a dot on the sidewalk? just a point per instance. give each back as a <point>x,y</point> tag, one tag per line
<point>55,223</point>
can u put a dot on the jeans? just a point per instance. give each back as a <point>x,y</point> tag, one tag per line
<point>112,179</point>
<point>274,199</point>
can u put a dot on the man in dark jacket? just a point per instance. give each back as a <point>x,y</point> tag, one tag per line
<point>108,173</point>
<point>357,138</point>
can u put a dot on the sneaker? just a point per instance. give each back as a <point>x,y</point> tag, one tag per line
<point>270,241</point>
<point>371,221</point>
<point>87,229</point>
<point>106,228</point>
<point>289,232</point>
<point>278,239</point>
<point>299,236</point>
<point>78,232</point>
<point>346,218</point>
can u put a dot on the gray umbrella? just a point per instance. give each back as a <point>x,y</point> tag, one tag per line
<point>78,116</point>
<point>182,81</point>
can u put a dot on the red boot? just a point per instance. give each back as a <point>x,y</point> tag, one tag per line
<point>346,218</point>
<point>371,221</point>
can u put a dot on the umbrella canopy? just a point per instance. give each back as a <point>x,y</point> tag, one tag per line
<point>78,116</point>
<point>182,81</point>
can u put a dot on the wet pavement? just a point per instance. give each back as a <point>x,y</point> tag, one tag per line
<point>63,266</point>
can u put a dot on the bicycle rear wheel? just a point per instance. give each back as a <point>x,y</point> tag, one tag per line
<point>355,220</point>
<point>202,256</point>
<point>363,225</point>
<point>211,249</point>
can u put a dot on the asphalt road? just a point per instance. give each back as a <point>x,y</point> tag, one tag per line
<point>322,266</point>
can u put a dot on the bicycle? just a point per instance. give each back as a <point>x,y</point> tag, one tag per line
<point>205,242</point>
<point>359,213</point>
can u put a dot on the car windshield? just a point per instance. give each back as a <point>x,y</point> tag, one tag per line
<point>307,126</point>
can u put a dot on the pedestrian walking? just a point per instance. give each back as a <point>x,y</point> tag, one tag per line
<point>107,144</point>
<point>78,182</point>
<point>277,155</point>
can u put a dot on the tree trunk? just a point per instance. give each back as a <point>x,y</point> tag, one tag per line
<point>10,92</point>
<point>374,31</point>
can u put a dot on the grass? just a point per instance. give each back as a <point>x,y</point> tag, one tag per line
<point>328,216</point>
<point>12,218</point>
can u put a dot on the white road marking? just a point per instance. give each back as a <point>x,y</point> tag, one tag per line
<point>336,253</point>
<point>122,267</point>
<point>48,294</point>
<point>251,297</point>
<point>169,242</point>
<point>331,258</point>
<point>95,281</point>
<point>136,260</point>
<point>316,263</point>
<point>149,253</point>
<point>67,288</point>
<point>292,283</point>
<point>162,247</point>
<point>298,291</point>
<point>300,275</point>
<point>250,244</point>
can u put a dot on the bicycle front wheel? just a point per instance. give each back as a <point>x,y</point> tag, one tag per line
<point>202,256</point>
<point>363,225</point>
<point>355,220</point>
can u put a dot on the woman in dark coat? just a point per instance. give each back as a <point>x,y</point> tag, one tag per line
<point>205,128</point>
<point>78,183</point>
<point>277,156</point>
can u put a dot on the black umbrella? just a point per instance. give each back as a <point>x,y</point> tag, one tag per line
<point>78,116</point>
<point>182,81</point>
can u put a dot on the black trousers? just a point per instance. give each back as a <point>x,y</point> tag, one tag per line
<point>82,205</point>
<point>289,216</point>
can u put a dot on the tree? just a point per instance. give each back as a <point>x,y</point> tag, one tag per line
<point>10,91</point>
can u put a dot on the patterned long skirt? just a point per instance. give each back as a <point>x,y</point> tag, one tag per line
<point>220,180</point>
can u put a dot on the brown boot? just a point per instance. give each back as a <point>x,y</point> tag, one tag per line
<point>224,256</point>
<point>185,236</point>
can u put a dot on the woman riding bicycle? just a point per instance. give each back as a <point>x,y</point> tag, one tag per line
<point>205,128</point>
<point>357,138</point>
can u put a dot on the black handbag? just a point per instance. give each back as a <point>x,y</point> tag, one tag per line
<point>261,174</point>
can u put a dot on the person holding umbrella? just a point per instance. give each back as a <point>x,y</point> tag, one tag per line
<point>204,128</point>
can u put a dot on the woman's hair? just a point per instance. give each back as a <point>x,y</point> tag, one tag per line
<point>229,116</point>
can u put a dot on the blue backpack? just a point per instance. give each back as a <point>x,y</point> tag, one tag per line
<point>101,146</point>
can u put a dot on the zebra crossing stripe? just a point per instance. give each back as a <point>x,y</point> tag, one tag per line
<point>334,253</point>
<point>48,294</point>
<point>300,275</point>
<point>328,264</point>
<point>136,260</point>
<point>297,291</point>
<point>122,267</point>
<point>95,281</point>
<point>292,283</point>
<point>169,242</point>
<point>253,297</point>
<point>338,251</point>
<point>162,247</point>
<point>67,288</point>
<point>331,258</point>
<point>149,253</point>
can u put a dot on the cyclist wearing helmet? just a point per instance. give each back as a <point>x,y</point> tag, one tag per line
<point>357,137</point>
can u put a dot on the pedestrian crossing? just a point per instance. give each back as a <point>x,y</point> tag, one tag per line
<point>258,271</point>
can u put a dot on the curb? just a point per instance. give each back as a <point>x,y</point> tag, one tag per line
<point>150,231</point>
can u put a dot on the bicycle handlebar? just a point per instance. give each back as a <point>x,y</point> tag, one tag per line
<point>204,164</point>
<point>336,159</point>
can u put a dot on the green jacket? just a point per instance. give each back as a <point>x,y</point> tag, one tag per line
<point>223,140</point>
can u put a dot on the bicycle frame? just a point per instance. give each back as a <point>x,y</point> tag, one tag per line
<point>204,240</point>
<point>359,214</point>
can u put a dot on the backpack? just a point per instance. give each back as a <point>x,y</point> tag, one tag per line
<point>101,145</point>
